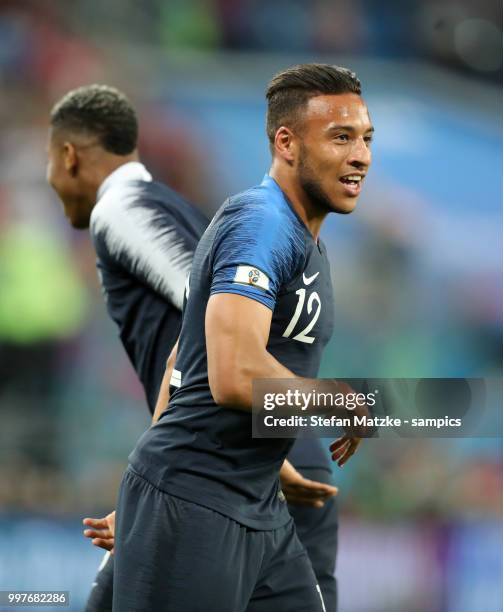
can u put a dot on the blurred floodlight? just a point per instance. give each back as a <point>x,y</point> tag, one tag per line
<point>479,43</point>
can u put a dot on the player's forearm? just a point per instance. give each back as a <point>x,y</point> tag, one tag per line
<point>240,388</point>
<point>237,383</point>
<point>231,385</point>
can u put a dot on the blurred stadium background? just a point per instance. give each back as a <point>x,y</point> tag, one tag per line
<point>417,269</point>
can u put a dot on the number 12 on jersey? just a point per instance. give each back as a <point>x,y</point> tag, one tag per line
<point>302,335</point>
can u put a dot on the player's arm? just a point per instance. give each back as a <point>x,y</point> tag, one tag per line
<point>237,331</point>
<point>163,398</point>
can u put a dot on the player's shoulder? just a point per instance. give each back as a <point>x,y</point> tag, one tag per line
<point>259,222</point>
<point>263,209</point>
<point>144,203</point>
<point>115,203</point>
<point>160,194</point>
<point>121,197</point>
<point>261,201</point>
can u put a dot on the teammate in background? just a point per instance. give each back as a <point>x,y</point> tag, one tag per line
<point>201,520</point>
<point>144,235</point>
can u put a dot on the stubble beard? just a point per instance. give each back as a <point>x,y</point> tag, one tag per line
<point>311,185</point>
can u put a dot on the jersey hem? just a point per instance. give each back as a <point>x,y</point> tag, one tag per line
<point>252,296</point>
<point>259,524</point>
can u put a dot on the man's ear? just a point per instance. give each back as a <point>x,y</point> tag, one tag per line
<point>70,158</point>
<point>285,144</point>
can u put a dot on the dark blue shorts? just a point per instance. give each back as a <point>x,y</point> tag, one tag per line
<point>316,529</point>
<point>177,556</point>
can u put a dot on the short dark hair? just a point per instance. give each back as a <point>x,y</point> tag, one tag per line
<point>290,90</point>
<point>102,111</point>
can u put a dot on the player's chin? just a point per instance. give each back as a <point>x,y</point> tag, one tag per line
<point>344,205</point>
<point>80,224</point>
<point>77,219</point>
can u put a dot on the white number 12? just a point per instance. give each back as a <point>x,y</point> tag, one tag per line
<point>302,336</point>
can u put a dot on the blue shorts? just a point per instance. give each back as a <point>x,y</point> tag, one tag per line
<point>316,529</point>
<point>174,555</point>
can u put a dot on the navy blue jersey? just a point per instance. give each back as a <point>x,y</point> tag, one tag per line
<point>145,235</point>
<point>258,247</point>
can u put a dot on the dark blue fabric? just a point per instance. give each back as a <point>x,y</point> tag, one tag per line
<point>199,451</point>
<point>176,556</point>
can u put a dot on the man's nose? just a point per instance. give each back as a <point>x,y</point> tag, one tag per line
<point>361,155</point>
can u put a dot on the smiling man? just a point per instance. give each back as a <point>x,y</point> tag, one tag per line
<point>201,521</point>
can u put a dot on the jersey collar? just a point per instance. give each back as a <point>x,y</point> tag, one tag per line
<point>131,171</point>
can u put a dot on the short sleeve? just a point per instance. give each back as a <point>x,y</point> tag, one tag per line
<point>257,249</point>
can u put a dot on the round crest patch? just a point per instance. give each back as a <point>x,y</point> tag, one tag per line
<point>253,276</point>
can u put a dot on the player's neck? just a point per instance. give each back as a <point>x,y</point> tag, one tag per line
<point>311,215</point>
<point>110,163</point>
<point>105,166</point>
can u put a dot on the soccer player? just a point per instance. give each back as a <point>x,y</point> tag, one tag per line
<point>201,521</point>
<point>144,235</point>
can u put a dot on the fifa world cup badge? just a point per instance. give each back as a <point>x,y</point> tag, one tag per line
<point>253,276</point>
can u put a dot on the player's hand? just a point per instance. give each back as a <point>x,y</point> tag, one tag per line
<point>302,491</point>
<point>102,531</point>
<point>344,448</point>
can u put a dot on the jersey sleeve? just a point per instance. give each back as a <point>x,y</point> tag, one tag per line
<point>256,251</point>
<point>144,241</point>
